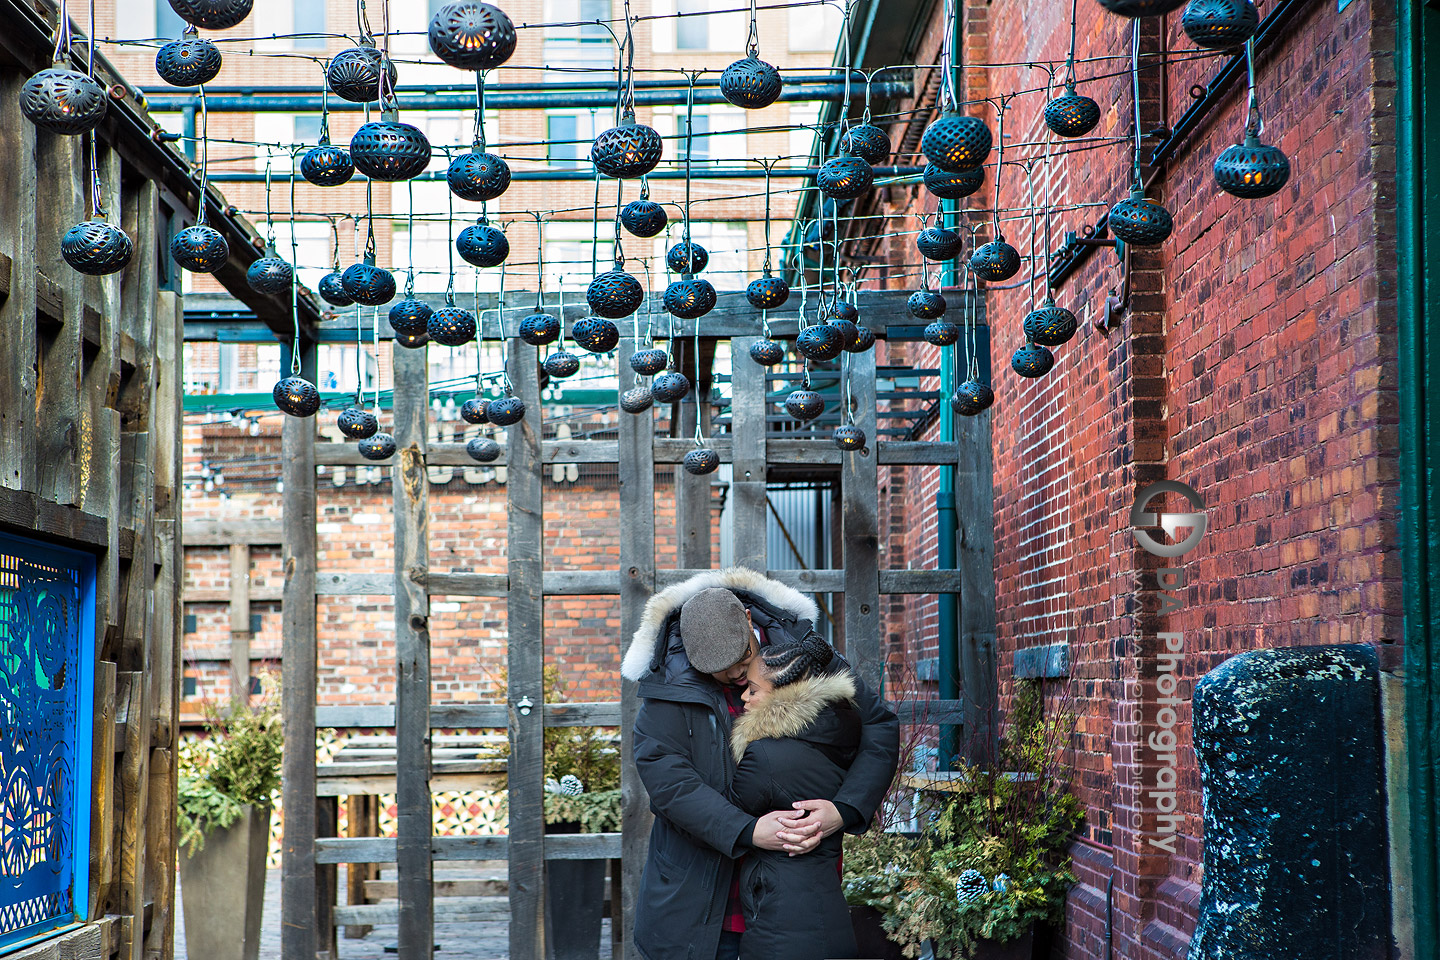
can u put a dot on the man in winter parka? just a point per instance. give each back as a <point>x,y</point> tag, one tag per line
<point>687,908</point>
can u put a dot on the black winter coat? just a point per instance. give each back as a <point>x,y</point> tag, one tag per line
<point>683,757</point>
<point>797,744</point>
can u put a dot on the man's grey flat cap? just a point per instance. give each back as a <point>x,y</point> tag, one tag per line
<point>715,630</point>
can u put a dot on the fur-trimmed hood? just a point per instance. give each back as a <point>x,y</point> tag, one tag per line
<point>790,710</point>
<point>665,604</point>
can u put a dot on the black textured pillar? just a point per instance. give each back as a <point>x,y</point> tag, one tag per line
<point>1296,863</point>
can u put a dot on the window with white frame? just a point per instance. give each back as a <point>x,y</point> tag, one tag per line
<point>803,118</point>
<point>311,250</point>
<point>570,249</point>
<point>727,243</point>
<point>696,25</point>
<point>569,133</point>
<point>280,137</point>
<point>579,40</point>
<point>815,27</point>
<point>342,366</point>
<point>718,132</point>
<point>143,19</point>
<point>296,24</point>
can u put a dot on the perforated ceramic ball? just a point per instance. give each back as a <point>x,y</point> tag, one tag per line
<point>844,178</point>
<point>596,334</point>
<point>1220,24</point>
<point>296,396</point>
<point>1072,114</point>
<point>972,397</point>
<point>389,150</point>
<point>412,341</point>
<point>750,83</point>
<point>670,387</point>
<point>327,166</point>
<point>937,243</point>
<point>767,353</point>
<point>804,405</point>
<point>561,364</point>
<point>820,342</point>
<point>686,258</point>
<point>948,185</point>
<point>63,101</point>
<point>188,62</point>
<point>614,294</point>
<point>995,261</point>
<point>354,74</point>
<point>864,339</point>
<point>212,14</point>
<point>644,218</point>
<point>690,299</point>
<point>539,329</point>
<point>647,363</point>
<point>1251,169</point>
<point>627,151</point>
<point>1050,325</point>
<point>637,400</point>
<point>475,410</point>
<point>868,142</point>
<point>1140,221</point>
<point>368,284</point>
<point>942,333</point>
<point>477,176</point>
<point>767,292</point>
<point>96,247</point>
<point>956,142</point>
<point>451,325</point>
<point>380,446</point>
<point>849,437</point>
<point>411,317</point>
<point>1141,8</point>
<point>926,305</point>
<point>482,245</point>
<point>506,411</point>
<point>472,36</point>
<point>332,290</point>
<point>483,450</point>
<point>701,462</point>
<point>1032,360</point>
<point>357,423</point>
<point>847,329</point>
<point>270,275</point>
<point>845,310</point>
<point>200,249</point>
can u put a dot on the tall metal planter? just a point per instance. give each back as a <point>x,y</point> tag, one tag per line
<point>574,904</point>
<point>223,889</point>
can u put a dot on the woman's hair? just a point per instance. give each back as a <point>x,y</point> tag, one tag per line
<point>808,656</point>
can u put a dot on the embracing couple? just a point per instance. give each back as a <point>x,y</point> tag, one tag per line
<point>758,746</point>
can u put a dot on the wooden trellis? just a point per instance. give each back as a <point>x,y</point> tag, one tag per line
<point>311,853</point>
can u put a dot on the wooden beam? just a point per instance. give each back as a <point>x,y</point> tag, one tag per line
<point>975,559</point>
<point>860,529</point>
<point>223,533</point>
<point>572,846</point>
<point>748,506</point>
<point>240,620</point>
<point>102,799</point>
<point>24,512</point>
<point>476,716</point>
<point>18,375</point>
<point>924,712</point>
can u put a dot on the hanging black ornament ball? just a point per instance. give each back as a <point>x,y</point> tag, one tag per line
<point>472,36</point>
<point>644,218</point>
<point>63,101</point>
<point>451,325</point>
<point>1072,114</point>
<point>1139,221</point>
<point>507,410</point>
<point>804,404</point>
<point>327,165</point>
<point>1050,325</point>
<point>767,353</point>
<point>864,339</point>
<point>647,363</point>
<point>942,333</point>
<point>539,329</point>
<point>844,178</point>
<point>690,298</point>
<point>389,150</point>
<point>368,284</point>
<point>995,261</point>
<point>561,364</point>
<point>1032,360</point>
<point>670,387</point>
<point>614,294</point>
<point>700,462</point>
<point>482,245</point>
<point>357,423</point>
<point>412,341</point>
<point>956,142</point>
<point>1251,169</point>
<point>926,305</point>
<point>1140,8</point>
<point>474,410</point>
<point>845,310</point>
<point>750,83</point>
<point>952,186</point>
<point>212,14</point>
<point>483,449</point>
<point>849,437</point>
<point>682,260</point>
<point>627,151</point>
<point>354,74</point>
<point>1220,24</point>
<point>972,397</point>
<point>847,329</point>
<point>868,142</point>
<point>596,334</point>
<point>200,249</point>
<point>380,446</point>
<point>820,342</point>
<point>270,275</point>
<point>96,247</point>
<point>296,396</point>
<point>478,176</point>
<point>188,62</point>
<point>637,400</point>
<point>938,243</point>
<point>411,317</point>
<point>332,290</point>
<point>767,292</point>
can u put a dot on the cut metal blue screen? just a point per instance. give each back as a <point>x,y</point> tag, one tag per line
<point>47,677</point>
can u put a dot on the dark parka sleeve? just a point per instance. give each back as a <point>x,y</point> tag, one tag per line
<point>874,767</point>
<point>662,758</point>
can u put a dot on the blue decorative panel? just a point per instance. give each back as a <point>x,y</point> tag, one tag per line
<point>47,675</point>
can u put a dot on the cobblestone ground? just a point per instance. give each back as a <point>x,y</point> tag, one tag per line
<point>458,941</point>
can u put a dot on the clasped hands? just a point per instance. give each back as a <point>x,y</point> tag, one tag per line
<point>799,830</point>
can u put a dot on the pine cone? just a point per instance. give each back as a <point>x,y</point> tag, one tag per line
<point>571,786</point>
<point>971,886</point>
